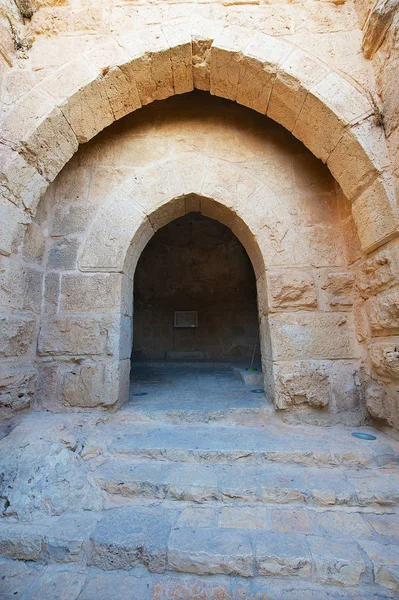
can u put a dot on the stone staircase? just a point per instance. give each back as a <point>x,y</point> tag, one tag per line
<point>196,507</point>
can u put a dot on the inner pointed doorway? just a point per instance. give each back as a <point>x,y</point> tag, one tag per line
<point>195,303</point>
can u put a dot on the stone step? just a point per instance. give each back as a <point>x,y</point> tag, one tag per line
<point>27,581</point>
<point>321,547</point>
<point>273,483</point>
<point>246,416</point>
<point>252,445</point>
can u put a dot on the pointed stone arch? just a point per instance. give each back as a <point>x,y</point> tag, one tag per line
<point>327,112</point>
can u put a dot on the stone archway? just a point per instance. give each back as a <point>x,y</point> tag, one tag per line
<point>331,116</point>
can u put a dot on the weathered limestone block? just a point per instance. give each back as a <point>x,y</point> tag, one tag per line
<point>20,287</point>
<point>167,212</point>
<point>88,111</point>
<point>360,155</point>
<point>209,551</point>
<point>291,289</point>
<point>229,185</point>
<point>91,293</point>
<point>51,293</point>
<point>331,104</point>
<point>302,383</point>
<point>17,387</point>
<point>17,336</point>
<point>68,219</point>
<point>91,385</point>
<point>127,537</point>
<point>150,65</point>
<point>282,554</point>
<point>338,290</point>
<point>72,184</point>
<point>376,401</point>
<point>75,336</point>
<point>377,25</point>
<point>38,129</point>
<point>179,41</point>
<point>226,55</point>
<point>347,386</point>
<point>118,219</point>
<point>313,335</point>
<point>153,186</point>
<point>383,311</point>
<point>33,247</point>
<point>379,272</point>
<point>258,68</point>
<point>375,213</point>
<point>385,359</point>
<point>12,221</point>
<point>336,563</point>
<point>20,182</point>
<point>121,90</point>
<point>62,255</point>
<point>298,72</point>
<point>202,35</point>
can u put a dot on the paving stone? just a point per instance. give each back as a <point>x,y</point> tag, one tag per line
<point>244,518</point>
<point>57,584</point>
<point>210,551</point>
<point>385,559</point>
<point>291,521</point>
<point>16,576</point>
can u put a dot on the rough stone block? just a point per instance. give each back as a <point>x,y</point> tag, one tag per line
<point>336,563</point>
<point>91,293</point>
<point>375,213</point>
<point>12,221</point>
<point>20,287</point>
<point>61,583</point>
<point>20,182</point>
<point>379,272</point>
<point>51,293</point>
<point>69,219</point>
<point>154,185</point>
<point>207,551</point>
<point>88,110</point>
<point>91,385</point>
<point>75,336</point>
<point>383,312</point>
<point>129,536</point>
<point>282,555</point>
<point>297,73</point>
<point>33,248</point>
<point>226,56</point>
<point>62,255</point>
<point>228,185</point>
<point>17,336</point>
<point>21,544</point>
<point>179,42</point>
<point>384,358</point>
<point>17,387</point>
<point>385,559</point>
<point>72,184</point>
<point>292,290</point>
<point>120,87</point>
<point>150,65</point>
<point>304,382</point>
<point>359,156</point>
<point>120,218</point>
<point>312,336</point>
<point>337,290</point>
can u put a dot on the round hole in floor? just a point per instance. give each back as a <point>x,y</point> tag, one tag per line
<point>140,394</point>
<point>259,391</point>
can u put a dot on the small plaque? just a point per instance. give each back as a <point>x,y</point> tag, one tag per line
<point>185,318</point>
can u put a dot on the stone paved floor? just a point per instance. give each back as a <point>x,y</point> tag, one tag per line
<point>195,490</point>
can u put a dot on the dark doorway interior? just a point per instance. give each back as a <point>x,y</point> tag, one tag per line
<point>195,264</point>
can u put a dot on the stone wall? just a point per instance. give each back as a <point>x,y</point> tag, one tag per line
<point>250,174</point>
<point>195,263</point>
<point>70,70</point>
